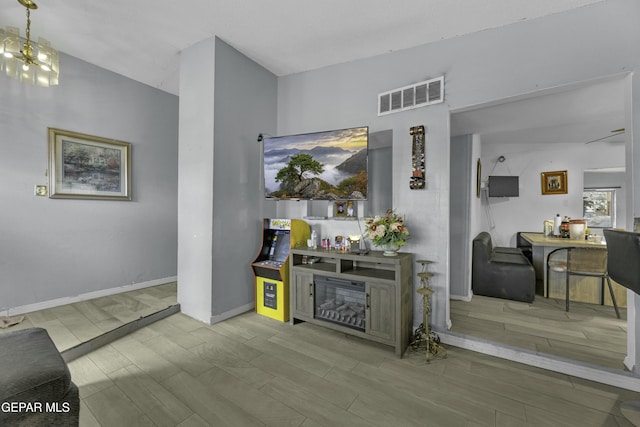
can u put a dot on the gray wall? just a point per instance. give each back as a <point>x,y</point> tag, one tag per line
<point>226,100</point>
<point>597,179</point>
<point>461,158</point>
<point>245,105</point>
<point>195,186</point>
<point>527,160</point>
<point>57,248</point>
<point>586,43</point>
<point>380,163</point>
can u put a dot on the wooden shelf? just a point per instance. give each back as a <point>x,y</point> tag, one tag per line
<point>330,218</point>
<point>318,266</point>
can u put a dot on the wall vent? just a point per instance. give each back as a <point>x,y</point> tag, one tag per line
<point>416,95</point>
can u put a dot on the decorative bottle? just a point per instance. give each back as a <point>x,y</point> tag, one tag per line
<point>314,239</point>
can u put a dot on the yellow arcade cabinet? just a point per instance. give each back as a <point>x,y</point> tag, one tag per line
<point>271,267</point>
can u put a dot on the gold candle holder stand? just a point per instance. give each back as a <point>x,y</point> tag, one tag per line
<point>424,336</point>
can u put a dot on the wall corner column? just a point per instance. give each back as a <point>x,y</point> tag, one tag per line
<point>195,179</point>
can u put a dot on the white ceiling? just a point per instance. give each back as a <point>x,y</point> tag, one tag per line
<point>142,39</point>
<point>579,113</point>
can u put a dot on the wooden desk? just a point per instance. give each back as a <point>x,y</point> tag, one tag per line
<point>589,289</point>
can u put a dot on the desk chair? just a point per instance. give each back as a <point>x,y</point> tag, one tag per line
<point>586,262</point>
<point>623,253</point>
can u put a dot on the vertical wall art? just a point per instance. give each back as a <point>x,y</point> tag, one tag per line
<point>417,158</point>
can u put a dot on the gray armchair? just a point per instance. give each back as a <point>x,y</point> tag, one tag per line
<point>501,272</point>
<point>35,383</point>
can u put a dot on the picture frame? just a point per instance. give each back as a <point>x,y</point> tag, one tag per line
<point>84,166</point>
<point>351,209</point>
<point>554,182</point>
<point>340,209</point>
<point>478,177</point>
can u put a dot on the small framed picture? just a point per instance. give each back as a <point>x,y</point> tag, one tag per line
<point>340,209</point>
<point>554,182</point>
<point>351,208</point>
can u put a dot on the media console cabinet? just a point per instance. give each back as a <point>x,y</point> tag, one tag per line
<point>369,296</point>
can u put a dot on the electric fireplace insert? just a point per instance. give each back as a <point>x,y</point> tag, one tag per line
<point>340,301</point>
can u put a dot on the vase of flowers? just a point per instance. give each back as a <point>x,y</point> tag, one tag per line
<point>387,232</point>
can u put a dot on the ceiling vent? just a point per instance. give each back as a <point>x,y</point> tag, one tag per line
<point>416,95</point>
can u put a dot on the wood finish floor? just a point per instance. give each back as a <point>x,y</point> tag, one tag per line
<point>588,333</point>
<point>252,370</point>
<point>72,324</point>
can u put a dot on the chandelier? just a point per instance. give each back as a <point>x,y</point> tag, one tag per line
<point>28,62</point>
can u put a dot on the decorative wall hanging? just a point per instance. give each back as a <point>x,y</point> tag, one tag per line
<point>417,158</point>
<point>88,167</point>
<point>554,182</point>
<point>478,178</point>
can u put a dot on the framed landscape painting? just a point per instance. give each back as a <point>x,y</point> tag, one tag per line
<point>88,167</point>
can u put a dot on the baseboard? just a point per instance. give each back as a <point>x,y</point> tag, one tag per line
<point>84,297</point>
<point>587,371</point>
<point>232,313</point>
<point>629,363</point>
<point>465,298</point>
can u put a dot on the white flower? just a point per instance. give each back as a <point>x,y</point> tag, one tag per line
<point>385,229</point>
<point>379,230</point>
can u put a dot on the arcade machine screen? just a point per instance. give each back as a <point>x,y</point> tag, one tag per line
<point>280,246</point>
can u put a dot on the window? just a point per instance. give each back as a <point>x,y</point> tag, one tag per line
<point>599,207</point>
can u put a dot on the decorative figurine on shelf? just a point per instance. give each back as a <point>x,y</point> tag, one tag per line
<point>423,334</point>
<point>350,210</point>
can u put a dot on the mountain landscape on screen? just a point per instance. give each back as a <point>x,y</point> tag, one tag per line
<point>327,165</point>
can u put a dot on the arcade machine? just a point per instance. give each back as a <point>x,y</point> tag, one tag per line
<point>271,268</point>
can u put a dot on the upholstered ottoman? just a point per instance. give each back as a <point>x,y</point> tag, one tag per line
<point>35,383</point>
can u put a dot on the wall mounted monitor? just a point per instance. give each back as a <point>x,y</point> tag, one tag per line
<point>504,186</point>
<point>326,165</point>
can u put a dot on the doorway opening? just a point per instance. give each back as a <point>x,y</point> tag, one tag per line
<point>543,131</point>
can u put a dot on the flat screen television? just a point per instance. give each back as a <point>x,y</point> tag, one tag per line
<point>325,165</point>
<point>503,186</point>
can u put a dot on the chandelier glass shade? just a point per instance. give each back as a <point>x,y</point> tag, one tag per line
<point>25,60</point>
